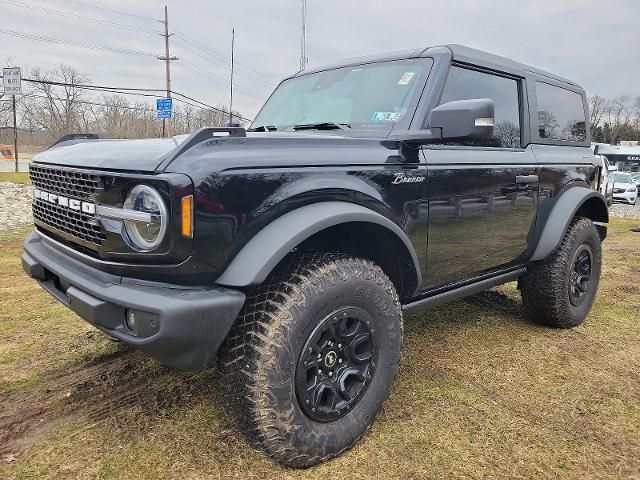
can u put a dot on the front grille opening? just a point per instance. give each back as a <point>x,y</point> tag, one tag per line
<point>69,183</point>
<point>51,233</point>
<point>74,223</point>
<point>81,227</point>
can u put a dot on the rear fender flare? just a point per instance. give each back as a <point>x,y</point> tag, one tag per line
<point>562,213</point>
<point>257,259</point>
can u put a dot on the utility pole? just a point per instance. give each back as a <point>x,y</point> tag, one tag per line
<point>233,39</point>
<point>15,133</point>
<point>303,39</point>
<point>167,59</point>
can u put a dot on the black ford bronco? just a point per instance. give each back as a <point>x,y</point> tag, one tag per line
<point>363,191</point>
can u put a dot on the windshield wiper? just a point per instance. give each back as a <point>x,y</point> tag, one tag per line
<point>322,126</point>
<point>263,128</point>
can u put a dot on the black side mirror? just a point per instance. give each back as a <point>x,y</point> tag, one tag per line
<point>464,119</point>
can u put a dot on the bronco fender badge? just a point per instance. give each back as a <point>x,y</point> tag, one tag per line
<point>403,178</point>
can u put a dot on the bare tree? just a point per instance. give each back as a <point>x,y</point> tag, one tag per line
<point>598,107</point>
<point>56,109</point>
<point>619,114</point>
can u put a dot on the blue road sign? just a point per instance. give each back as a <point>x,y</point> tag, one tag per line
<point>164,106</point>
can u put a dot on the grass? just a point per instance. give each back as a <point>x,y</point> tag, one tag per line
<point>481,393</point>
<point>13,177</point>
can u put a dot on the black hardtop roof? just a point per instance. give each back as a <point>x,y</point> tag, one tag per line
<point>460,53</point>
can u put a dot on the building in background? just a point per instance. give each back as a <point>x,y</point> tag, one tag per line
<point>625,158</point>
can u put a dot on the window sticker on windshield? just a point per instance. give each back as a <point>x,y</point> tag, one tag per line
<point>386,116</point>
<point>406,78</point>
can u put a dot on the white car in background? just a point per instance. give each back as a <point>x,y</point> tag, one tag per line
<point>606,179</point>
<point>624,188</point>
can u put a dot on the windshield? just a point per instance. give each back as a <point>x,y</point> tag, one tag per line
<point>622,178</point>
<point>372,95</point>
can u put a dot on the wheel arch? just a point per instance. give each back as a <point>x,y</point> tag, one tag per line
<point>327,226</point>
<point>575,202</point>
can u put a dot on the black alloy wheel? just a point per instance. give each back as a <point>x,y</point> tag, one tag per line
<point>336,365</point>
<point>580,274</point>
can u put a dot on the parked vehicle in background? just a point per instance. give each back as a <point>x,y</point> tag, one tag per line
<point>363,191</point>
<point>624,188</point>
<point>636,178</point>
<point>606,180</point>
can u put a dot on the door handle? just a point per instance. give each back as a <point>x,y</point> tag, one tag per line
<point>526,178</point>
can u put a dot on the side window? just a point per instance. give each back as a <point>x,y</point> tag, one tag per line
<point>465,84</point>
<point>560,114</point>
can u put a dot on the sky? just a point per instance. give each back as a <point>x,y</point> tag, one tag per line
<point>594,43</point>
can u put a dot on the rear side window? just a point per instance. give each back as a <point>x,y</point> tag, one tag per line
<point>560,114</point>
<point>465,84</point>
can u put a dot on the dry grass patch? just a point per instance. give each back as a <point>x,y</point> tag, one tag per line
<point>15,177</point>
<point>482,393</point>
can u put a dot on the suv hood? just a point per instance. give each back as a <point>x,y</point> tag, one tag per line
<point>147,155</point>
<point>132,155</point>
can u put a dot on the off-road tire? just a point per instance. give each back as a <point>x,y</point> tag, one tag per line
<point>263,349</point>
<point>545,286</point>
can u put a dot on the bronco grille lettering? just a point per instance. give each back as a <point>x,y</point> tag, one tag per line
<point>71,203</point>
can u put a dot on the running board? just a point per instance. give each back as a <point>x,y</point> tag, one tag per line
<point>460,292</point>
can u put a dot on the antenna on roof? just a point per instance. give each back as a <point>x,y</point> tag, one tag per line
<point>303,38</point>
<point>233,41</point>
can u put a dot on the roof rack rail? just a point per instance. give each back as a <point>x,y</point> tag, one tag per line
<point>200,136</point>
<point>75,136</point>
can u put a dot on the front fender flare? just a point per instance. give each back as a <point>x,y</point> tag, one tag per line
<point>562,213</point>
<point>269,246</point>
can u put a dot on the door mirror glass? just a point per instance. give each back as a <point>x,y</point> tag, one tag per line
<point>471,120</point>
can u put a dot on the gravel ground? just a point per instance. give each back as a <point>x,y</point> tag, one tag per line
<point>15,205</point>
<point>625,210</point>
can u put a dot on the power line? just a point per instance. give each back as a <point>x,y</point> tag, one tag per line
<point>207,75</point>
<point>130,91</point>
<point>126,107</point>
<point>74,16</point>
<point>221,58</point>
<point>41,38</point>
<point>104,9</point>
<point>206,106</point>
<point>86,102</point>
<point>89,86</point>
<point>250,76</point>
<point>120,73</point>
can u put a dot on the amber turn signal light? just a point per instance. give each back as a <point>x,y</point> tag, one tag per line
<point>187,216</point>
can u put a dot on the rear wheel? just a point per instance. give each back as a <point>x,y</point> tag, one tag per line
<point>313,356</point>
<point>559,291</point>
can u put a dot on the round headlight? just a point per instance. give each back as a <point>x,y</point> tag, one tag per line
<point>146,234</point>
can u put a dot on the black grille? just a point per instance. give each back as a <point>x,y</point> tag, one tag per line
<point>70,183</point>
<point>78,224</point>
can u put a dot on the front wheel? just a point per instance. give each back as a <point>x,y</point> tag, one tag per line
<point>315,353</point>
<point>559,290</point>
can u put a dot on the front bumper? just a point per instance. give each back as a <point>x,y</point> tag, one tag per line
<point>179,326</point>
<point>629,197</point>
